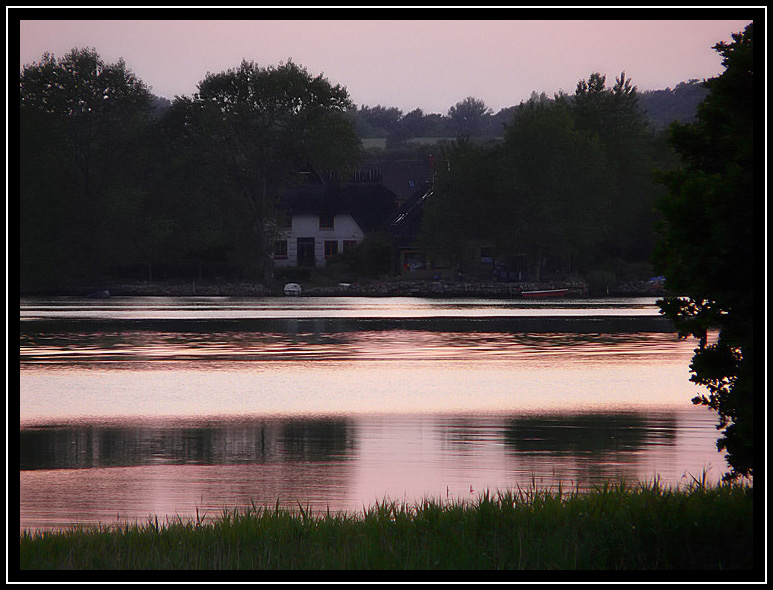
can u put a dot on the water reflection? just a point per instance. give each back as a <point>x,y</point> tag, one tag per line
<point>80,447</point>
<point>603,436</point>
<point>315,307</point>
<point>118,422</point>
<point>90,474</point>
<point>36,348</point>
<point>591,449</point>
<point>584,449</point>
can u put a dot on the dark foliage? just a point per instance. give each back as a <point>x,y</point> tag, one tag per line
<point>706,251</point>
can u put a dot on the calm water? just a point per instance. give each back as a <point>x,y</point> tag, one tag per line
<point>123,423</point>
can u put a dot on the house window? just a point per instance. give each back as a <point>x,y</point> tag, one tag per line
<point>326,221</point>
<point>331,248</point>
<point>280,248</point>
<point>349,245</point>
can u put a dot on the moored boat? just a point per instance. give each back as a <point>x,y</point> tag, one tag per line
<point>293,289</point>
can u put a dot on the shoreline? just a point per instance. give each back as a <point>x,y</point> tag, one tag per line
<point>385,288</point>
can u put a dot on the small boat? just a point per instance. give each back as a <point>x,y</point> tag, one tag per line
<point>293,289</point>
<point>545,293</point>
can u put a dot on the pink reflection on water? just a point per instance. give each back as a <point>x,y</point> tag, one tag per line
<point>316,307</point>
<point>117,495</point>
<point>144,346</point>
<point>518,409</point>
<point>404,458</point>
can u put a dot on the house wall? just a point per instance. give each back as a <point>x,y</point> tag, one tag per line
<point>307,225</point>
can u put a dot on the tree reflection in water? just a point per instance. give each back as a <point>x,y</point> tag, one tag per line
<point>578,447</point>
<point>601,434</point>
<point>263,441</point>
<point>589,447</point>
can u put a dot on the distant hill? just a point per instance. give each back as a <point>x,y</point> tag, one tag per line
<point>662,107</point>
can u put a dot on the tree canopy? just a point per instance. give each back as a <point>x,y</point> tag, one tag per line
<point>82,126</point>
<point>706,249</point>
<point>112,180</point>
<point>569,188</point>
<point>116,182</point>
<point>258,129</point>
<point>469,116</point>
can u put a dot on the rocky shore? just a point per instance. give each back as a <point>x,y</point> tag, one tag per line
<point>439,289</point>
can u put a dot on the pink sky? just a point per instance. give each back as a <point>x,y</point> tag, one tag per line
<point>402,63</point>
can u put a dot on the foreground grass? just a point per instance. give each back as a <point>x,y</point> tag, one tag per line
<point>616,527</point>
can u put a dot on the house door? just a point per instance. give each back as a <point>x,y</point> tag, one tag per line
<point>306,252</point>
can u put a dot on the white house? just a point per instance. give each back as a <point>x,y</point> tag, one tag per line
<point>312,238</point>
<point>323,219</point>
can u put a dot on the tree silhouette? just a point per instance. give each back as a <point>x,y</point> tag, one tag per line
<point>706,250</point>
<point>83,126</point>
<point>261,128</point>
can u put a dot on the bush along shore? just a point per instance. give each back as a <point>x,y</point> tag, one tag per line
<point>614,527</point>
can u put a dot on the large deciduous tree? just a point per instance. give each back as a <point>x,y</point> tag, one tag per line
<point>260,128</point>
<point>706,250</point>
<point>557,190</point>
<point>81,125</point>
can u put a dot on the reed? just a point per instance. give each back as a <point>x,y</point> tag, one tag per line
<point>613,527</point>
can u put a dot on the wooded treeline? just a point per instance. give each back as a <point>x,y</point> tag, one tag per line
<point>116,183</point>
<point>570,189</point>
<point>473,118</point>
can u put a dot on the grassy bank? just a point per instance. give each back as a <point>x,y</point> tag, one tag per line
<point>617,527</point>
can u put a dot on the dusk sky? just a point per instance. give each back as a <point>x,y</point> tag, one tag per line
<point>407,64</point>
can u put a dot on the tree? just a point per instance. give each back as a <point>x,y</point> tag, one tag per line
<point>706,247</point>
<point>414,124</point>
<point>261,128</point>
<point>384,121</point>
<point>81,127</point>
<point>544,193</point>
<point>469,117</point>
<point>663,107</point>
<point>463,210</point>
<point>614,116</point>
<point>556,187</point>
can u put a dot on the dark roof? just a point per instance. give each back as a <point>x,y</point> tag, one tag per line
<point>370,204</point>
<point>405,223</point>
<point>312,196</point>
<point>371,197</point>
<point>402,177</point>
